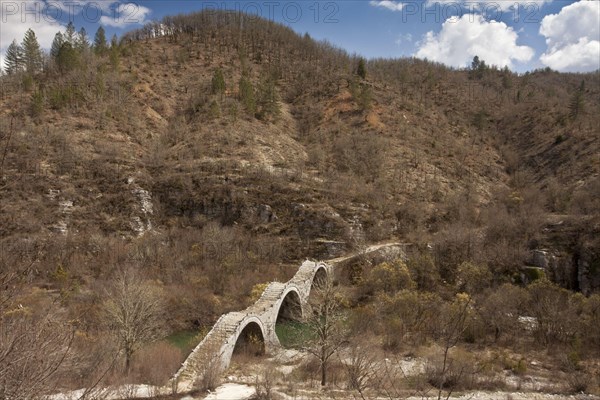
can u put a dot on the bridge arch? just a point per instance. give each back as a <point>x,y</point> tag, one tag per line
<point>319,278</point>
<point>290,307</point>
<point>249,339</point>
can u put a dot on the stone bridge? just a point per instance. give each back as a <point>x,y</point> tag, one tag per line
<point>256,324</point>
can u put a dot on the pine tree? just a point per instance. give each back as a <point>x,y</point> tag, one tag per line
<point>114,42</point>
<point>268,101</point>
<point>100,41</point>
<point>478,68</point>
<point>247,95</point>
<point>475,63</point>
<point>576,107</point>
<point>506,78</point>
<point>68,57</point>
<point>362,68</point>
<point>32,54</point>
<point>114,52</point>
<point>14,58</point>
<point>56,45</point>
<point>70,34</point>
<point>82,43</point>
<point>218,82</point>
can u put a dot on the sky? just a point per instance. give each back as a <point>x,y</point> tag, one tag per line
<point>522,35</point>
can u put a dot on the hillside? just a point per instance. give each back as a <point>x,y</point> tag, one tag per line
<point>208,148</point>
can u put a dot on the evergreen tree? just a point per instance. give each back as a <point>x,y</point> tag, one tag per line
<point>577,104</point>
<point>506,78</point>
<point>14,58</point>
<point>70,35</point>
<point>268,100</point>
<point>114,52</point>
<point>32,54</point>
<point>247,95</point>
<point>57,43</point>
<point>82,43</point>
<point>68,57</point>
<point>362,68</point>
<point>114,42</point>
<point>218,82</point>
<point>478,68</point>
<point>100,41</point>
<point>475,63</point>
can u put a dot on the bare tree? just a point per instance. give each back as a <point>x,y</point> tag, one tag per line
<point>453,322</point>
<point>35,342</point>
<point>362,369</point>
<point>326,325</point>
<point>134,312</point>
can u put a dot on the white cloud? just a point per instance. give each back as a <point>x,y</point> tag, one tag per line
<point>573,38</point>
<point>15,22</point>
<point>17,17</point>
<point>404,38</point>
<point>126,14</point>
<point>461,39</point>
<point>390,5</point>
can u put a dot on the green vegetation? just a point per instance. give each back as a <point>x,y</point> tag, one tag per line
<point>293,334</point>
<point>100,46</point>
<point>247,95</point>
<point>32,53</point>
<point>14,58</point>
<point>184,340</point>
<point>361,70</point>
<point>218,82</point>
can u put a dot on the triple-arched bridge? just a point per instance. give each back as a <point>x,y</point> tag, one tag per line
<point>255,326</point>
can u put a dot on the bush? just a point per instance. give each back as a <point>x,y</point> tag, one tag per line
<point>533,274</point>
<point>37,104</point>
<point>390,277</point>
<point>579,382</point>
<point>210,375</point>
<point>424,272</point>
<point>458,372</point>
<point>157,363</point>
<point>407,316</point>
<point>472,278</point>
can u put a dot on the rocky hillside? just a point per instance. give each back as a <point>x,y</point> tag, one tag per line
<point>202,157</point>
<point>210,118</point>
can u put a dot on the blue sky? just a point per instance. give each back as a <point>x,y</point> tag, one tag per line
<point>523,35</point>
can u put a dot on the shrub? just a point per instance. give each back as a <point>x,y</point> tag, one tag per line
<point>390,277</point>
<point>473,278</point>
<point>210,375</point>
<point>37,104</point>
<point>155,364</point>
<point>579,382</point>
<point>424,272</point>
